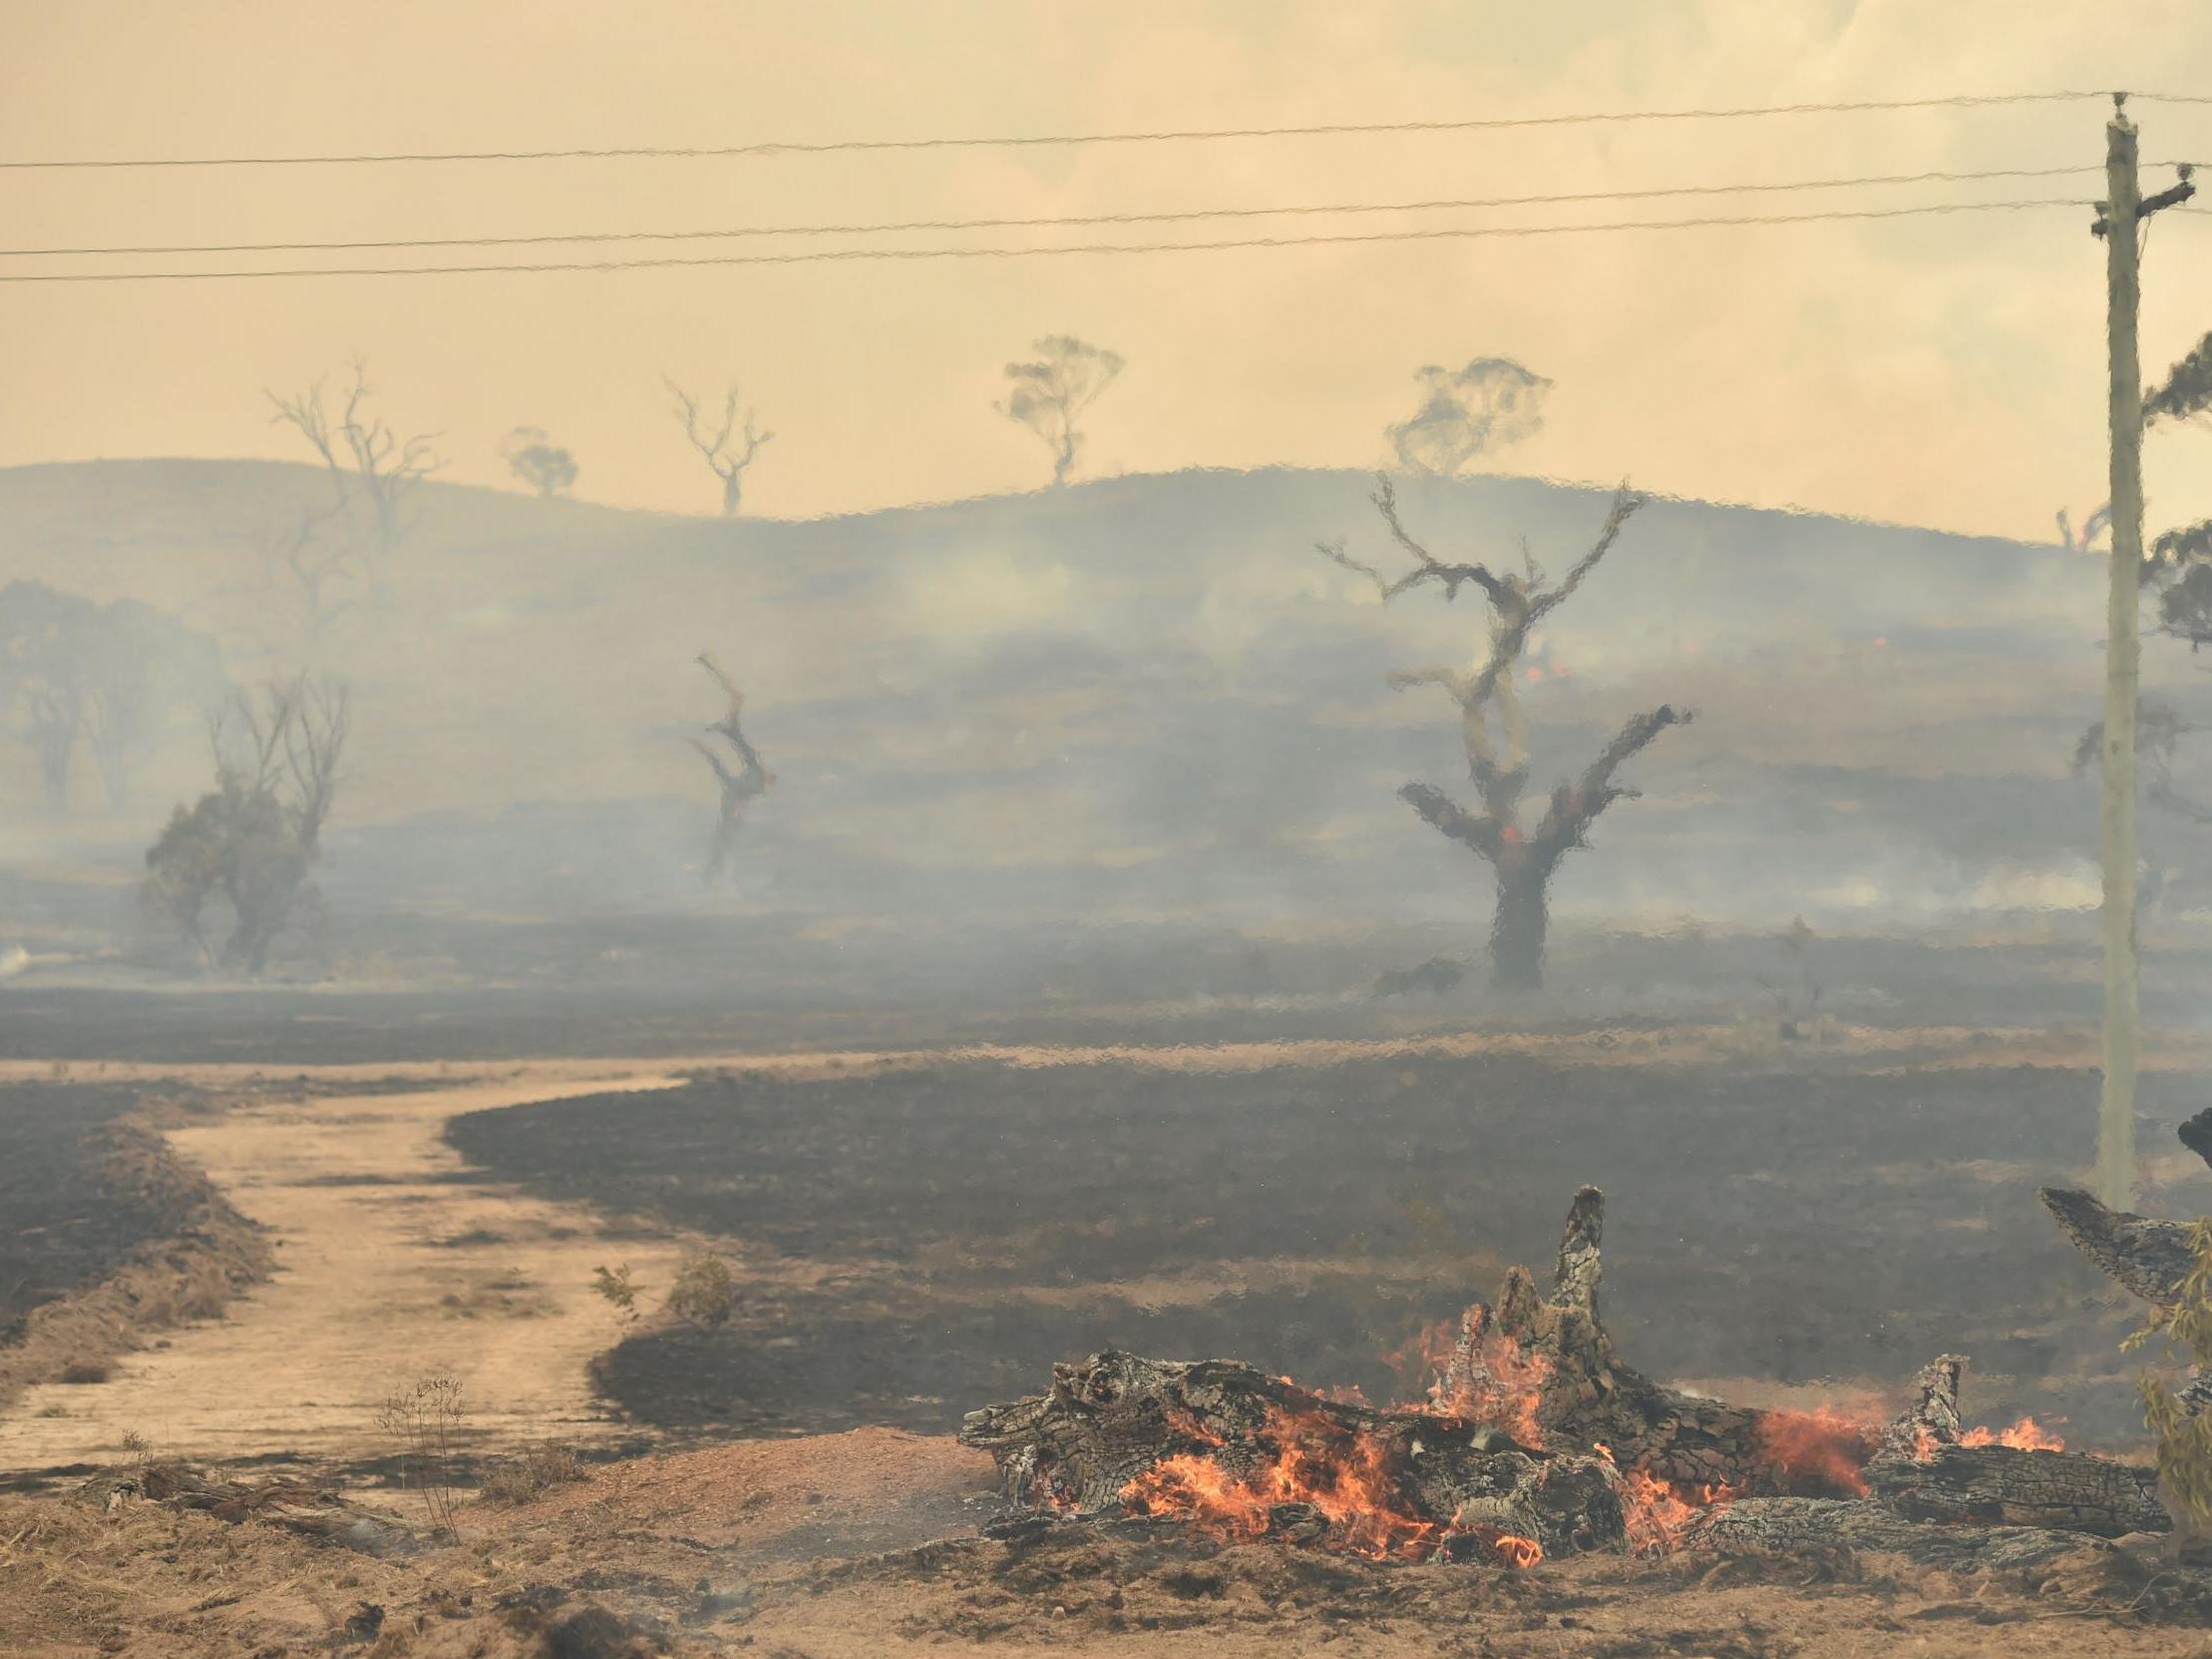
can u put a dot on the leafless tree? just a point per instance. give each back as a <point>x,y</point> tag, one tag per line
<point>309,553</point>
<point>2099,525</point>
<point>741,787</point>
<point>538,461</point>
<point>1068,376</point>
<point>373,471</point>
<point>1494,734</point>
<point>726,450</point>
<point>1468,412</point>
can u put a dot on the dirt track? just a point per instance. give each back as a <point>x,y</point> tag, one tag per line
<point>392,1263</point>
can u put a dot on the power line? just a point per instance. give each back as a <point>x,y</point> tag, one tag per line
<point>911,253</point>
<point>1169,135</point>
<point>1057,223</point>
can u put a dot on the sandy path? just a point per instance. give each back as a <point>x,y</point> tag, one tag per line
<point>364,1198</point>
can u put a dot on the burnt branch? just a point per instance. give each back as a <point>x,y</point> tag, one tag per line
<point>1575,806</point>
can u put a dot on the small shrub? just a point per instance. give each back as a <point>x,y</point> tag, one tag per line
<point>706,1291</point>
<point>2182,1420</point>
<point>531,1473</point>
<point>616,1286</point>
<point>86,1371</point>
<point>426,1419</point>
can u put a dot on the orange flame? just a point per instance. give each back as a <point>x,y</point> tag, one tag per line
<point>1503,1388</point>
<point>1659,1513</point>
<point>1516,1551</point>
<point>1310,1459</point>
<point>1815,1453</point>
<point>2025,1435</point>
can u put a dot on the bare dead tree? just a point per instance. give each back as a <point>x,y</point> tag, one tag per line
<point>2100,524</point>
<point>1494,734</point>
<point>1047,396</point>
<point>307,553</point>
<point>726,450</point>
<point>741,787</point>
<point>373,471</point>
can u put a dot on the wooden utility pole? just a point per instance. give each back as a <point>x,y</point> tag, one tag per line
<point>2125,209</point>
<point>2115,1140</point>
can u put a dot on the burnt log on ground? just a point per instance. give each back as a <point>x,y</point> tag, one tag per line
<point>317,1513</point>
<point>1927,1472</point>
<point>1816,1526</point>
<point>1537,1431</point>
<point>2004,1485</point>
<point>1228,1446</point>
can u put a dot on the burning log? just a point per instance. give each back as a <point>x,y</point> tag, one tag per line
<point>1250,1455</point>
<point>1536,1438</point>
<point>1553,1354</point>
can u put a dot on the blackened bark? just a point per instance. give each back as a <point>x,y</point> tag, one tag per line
<point>1519,925</point>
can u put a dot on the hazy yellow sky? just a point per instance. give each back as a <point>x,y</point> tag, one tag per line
<point>1945,370</point>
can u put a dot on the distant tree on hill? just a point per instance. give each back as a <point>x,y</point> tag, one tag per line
<point>1494,735</point>
<point>235,863</point>
<point>1466,413</point>
<point>726,450</point>
<point>374,473</point>
<point>1046,395</point>
<point>538,461</point>
<point>111,676</point>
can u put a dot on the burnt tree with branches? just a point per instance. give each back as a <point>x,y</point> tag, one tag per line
<point>727,450</point>
<point>740,786</point>
<point>1494,734</point>
<point>374,471</point>
<point>246,847</point>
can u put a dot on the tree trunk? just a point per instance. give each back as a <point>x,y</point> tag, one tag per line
<point>1518,926</point>
<point>733,493</point>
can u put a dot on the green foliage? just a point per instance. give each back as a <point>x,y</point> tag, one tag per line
<point>538,461</point>
<point>706,1291</point>
<point>616,1286</point>
<point>2184,1450</point>
<point>2189,387</point>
